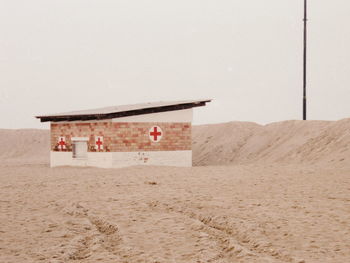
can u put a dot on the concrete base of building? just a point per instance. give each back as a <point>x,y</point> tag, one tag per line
<point>123,159</point>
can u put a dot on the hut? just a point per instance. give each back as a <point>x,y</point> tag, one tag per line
<point>143,134</point>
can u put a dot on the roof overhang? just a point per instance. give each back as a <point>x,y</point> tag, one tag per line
<point>134,110</point>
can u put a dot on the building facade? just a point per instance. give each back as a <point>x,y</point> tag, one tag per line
<point>143,134</point>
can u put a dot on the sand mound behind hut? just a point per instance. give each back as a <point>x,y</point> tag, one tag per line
<point>286,142</point>
<point>25,145</point>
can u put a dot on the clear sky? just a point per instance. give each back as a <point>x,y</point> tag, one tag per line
<point>62,55</point>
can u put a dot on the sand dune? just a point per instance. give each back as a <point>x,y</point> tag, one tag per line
<point>314,142</point>
<point>25,146</point>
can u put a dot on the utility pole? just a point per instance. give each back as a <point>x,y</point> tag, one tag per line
<point>304,72</point>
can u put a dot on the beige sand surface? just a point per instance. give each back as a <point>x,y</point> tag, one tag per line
<point>310,142</point>
<point>152,214</point>
<point>265,206</point>
<point>25,146</point>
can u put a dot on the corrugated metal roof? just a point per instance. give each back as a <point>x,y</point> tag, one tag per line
<point>126,108</point>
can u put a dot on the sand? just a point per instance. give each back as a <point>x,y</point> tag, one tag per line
<point>288,142</point>
<point>265,200</point>
<point>25,146</point>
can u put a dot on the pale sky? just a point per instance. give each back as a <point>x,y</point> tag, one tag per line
<point>63,55</point>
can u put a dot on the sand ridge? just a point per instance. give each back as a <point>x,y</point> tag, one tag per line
<point>25,146</point>
<point>313,142</point>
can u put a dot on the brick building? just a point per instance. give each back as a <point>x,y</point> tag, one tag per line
<point>152,133</point>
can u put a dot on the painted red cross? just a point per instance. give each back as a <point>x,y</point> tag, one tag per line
<point>99,143</point>
<point>61,143</point>
<point>155,133</point>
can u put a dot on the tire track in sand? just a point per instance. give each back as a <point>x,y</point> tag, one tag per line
<point>234,244</point>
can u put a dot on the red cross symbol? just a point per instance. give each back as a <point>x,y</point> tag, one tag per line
<point>99,143</point>
<point>61,143</point>
<point>155,133</point>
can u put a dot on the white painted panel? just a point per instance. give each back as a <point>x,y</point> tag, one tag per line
<point>167,116</point>
<point>167,158</point>
<point>100,159</point>
<point>123,159</point>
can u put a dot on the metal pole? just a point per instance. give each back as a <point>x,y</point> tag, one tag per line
<point>305,46</point>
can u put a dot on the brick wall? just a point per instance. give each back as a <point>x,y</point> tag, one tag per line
<point>124,137</point>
